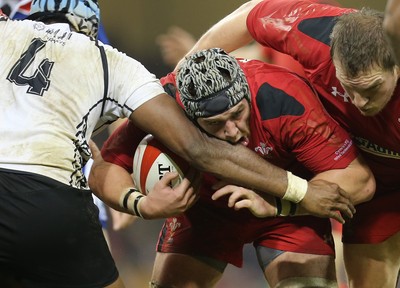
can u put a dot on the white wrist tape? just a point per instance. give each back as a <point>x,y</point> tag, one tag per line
<point>296,188</point>
<point>131,201</point>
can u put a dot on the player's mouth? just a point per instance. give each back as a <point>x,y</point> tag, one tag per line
<point>244,141</point>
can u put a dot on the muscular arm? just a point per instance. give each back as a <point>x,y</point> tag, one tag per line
<point>356,179</point>
<point>391,25</point>
<point>233,163</point>
<point>110,182</point>
<point>116,181</point>
<point>163,118</point>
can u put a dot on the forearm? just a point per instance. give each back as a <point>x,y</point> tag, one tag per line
<point>357,180</point>
<point>391,25</point>
<point>239,165</point>
<point>236,164</point>
<point>233,163</point>
<point>110,183</point>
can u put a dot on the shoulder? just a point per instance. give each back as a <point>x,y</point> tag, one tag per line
<point>277,91</point>
<point>260,74</point>
<point>297,9</point>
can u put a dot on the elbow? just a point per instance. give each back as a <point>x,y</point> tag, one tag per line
<point>367,189</point>
<point>389,26</point>
<point>370,188</point>
<point>95,177</point>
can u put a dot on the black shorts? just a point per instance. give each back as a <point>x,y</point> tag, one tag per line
<point>50,234</point>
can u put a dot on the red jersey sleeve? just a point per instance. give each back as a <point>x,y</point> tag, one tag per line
<point>121,145</point>
<point>299,28</point>
<point>318,142</point>
<point>169,84</point>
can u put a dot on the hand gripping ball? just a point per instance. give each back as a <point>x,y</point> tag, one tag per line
<point>151,161</point>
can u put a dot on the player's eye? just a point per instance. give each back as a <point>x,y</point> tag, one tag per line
<point>237,114</point>
<point>214,123</point>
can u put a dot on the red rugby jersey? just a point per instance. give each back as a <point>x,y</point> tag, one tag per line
<point>301,29</point>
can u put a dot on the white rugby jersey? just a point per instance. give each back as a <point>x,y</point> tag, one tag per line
<point>56,88</point>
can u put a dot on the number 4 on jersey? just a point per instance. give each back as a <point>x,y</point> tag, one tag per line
<point>38,82</point>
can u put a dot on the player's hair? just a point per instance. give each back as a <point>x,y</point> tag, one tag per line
<point>211,82</point>
<point>83,15</point>
<point>359,43</point>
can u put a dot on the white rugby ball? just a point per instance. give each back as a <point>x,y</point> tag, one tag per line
<point>151,161</point>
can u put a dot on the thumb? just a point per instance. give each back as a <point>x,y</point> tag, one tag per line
<point>169,177</point>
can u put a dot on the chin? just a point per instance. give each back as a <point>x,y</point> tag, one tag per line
<point>370,112</point>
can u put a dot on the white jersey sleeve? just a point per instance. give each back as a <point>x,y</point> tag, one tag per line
<point>56,86</point>
<point>130,79</point>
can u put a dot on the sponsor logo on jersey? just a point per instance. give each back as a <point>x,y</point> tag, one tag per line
<point>345,96</point>
<point>343,149</point>
<point>53,34</point>
<point>263,149</point>
<point>172,227</point>
<point>372,148</point>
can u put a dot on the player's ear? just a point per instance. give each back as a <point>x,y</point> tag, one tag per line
<point>397,71</point>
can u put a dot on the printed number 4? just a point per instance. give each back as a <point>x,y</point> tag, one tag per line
<point>38,82</point>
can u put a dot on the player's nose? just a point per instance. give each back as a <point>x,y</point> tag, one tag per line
<point>230,130</point>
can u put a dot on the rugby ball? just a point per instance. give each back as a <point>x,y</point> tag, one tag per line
<point>151,161</point>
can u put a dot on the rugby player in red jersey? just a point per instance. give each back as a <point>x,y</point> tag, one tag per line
<point>276,114</point>
<point>349,61</point>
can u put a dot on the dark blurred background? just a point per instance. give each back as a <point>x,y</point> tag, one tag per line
<point>132,27</point>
